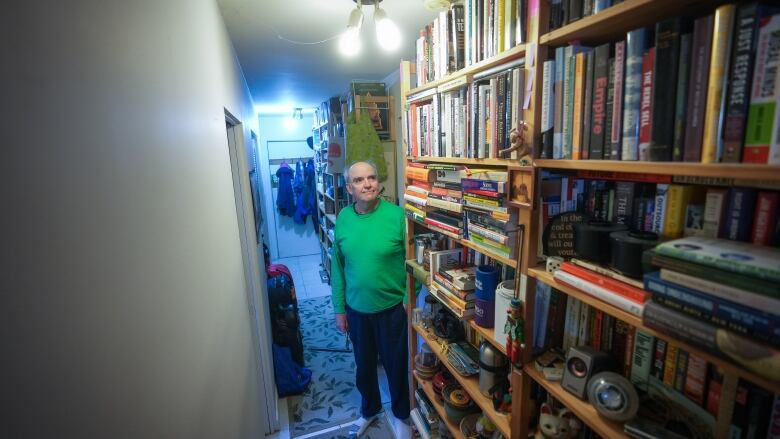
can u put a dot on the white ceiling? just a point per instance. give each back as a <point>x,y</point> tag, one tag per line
<point>303,75</point>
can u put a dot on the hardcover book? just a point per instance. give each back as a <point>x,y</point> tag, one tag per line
<point>681,99</point>
<point>764,94</point>
<point>697,86</point>
<point>646,105</point>
<point>636,44</point>
<point>598,130</point>
<point>712,142</point>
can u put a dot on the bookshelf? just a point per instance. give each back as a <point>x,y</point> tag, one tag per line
<point>439,406</point>
<point>607,26</point>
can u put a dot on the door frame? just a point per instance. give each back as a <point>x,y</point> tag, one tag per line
<point>255,279</point>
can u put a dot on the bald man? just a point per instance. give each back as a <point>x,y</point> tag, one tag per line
<point>368,290</point>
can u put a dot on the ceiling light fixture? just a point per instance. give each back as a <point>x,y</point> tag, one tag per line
<point>297,113</point>
<point>387,34</point>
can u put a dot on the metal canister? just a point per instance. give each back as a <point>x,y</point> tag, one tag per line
<point>419,248</point>
<point>492,364</point>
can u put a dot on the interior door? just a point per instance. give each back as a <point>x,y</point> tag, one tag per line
<point>291,239</point>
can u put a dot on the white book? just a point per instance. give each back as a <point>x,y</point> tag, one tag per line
<point>583,333</point>
<point>600,293</point>
<point>484,90</point>
<point>416,200</point>
<point>446,205</point>
<point>547,94</point>
<point>418,422</point>
<point>726,292</point>
<point>660,207</point>
<point>571,322</point>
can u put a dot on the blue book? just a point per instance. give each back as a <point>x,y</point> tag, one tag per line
<point>600,5</point>
<point>558,100</point>
<point>636,44</point>
<point>739,214</point>
<point>725,314</point>
<point>483,185</point>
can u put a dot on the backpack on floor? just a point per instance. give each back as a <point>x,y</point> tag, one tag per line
<point>291,378</point>
<point>283,308</point>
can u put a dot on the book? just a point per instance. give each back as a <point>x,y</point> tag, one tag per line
<point>764,218</point>
<point>646,105</point>
<point>681,98</point>
<point>670,365</point>
<point>483,185</point>
<point>695,379</point>
<point>609,109</point>
<point>716,84</point>
<point>587,106</point>
<point>717,311</point>
<point>677,197</point>
<point>605,271</point>
<point>571,323</point>
<point>723,291</point>
<point>681,370</point>
<point>600,293</point>
<point>558,103</point>
<point>739,214</point>
<point>666,66</point>
<point>580,67</point>
<point>445,259</point>
<point>764,93</point>
<point>598,131</point>
<point>615,135</point>
<point>758,358</point>
<point>548,108</point>
<point>659,359</point>
<point>624,198</point>
<point>714,211</point>
<point>697,86</point>
<point>642,359</point>
<point>636,44</point>
<point>630,292</point>
<point>660,212</point>
<point>462,278</point>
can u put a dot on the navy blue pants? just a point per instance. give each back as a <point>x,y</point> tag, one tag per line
<point>382,333</point>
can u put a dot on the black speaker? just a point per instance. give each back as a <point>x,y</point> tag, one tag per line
<point>613,396</point>
<point>582,362</point>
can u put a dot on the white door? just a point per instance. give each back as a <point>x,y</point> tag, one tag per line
<point>291,239</point>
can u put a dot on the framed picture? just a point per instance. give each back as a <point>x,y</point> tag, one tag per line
<point>522,184</point>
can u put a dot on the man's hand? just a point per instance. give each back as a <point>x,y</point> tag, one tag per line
<point>341,322</point>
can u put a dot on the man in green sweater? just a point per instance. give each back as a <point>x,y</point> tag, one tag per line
<point>367,279</point>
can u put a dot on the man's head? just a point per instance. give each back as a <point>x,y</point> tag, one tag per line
<point>363,182</point>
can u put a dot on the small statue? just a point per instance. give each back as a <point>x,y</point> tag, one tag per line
<point>561,426</point>
<point>517,143</point>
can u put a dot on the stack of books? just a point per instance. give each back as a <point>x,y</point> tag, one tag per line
<point>424,416</point>
<point>720,295</point>
<point>452,283</point>
<point>611,288</point>
<point>488,222</point>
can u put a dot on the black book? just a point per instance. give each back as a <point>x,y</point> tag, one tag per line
<point>575,10</point>
<point>610,109</point>
<point>681,99</point>
<point>667,57</point>
<point>587,8</point>
<point>458,28</point>
<point>508,106</point>
<point>446,218</point>
<point>556,14</point>
<point>598,131</point>
<point>588,98</point>
<point>624,202</point>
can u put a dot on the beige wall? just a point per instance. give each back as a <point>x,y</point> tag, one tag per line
<point>123,309</point>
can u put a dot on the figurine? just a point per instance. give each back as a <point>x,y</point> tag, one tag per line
<point>562,426</point>
<point>517,143</point>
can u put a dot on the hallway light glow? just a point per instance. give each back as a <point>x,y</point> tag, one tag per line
<point>349,42</point>
<point>387,34</point>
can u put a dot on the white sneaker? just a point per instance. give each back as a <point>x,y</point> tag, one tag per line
<point>360,425</point>
<point>401,428</point>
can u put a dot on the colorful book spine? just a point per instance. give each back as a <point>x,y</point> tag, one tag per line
<point>764,218</point>
<point>697,86</point>
<point>483,185</point>
<point>571,324</point>
<point>617,110</point>
<point>659,359</point>
<point>609,110</point>
<point>681,99</point>
<point>765,93</point>
<point>548,108</point>
<point>587,106</point>
<point>637,295</point>
<point>636,44</point>
<point>659,214</point>
<point>677,198</point>
<point>600,293</point>
<point>558,92</point>
<point>642,359</point>
<point>681,369</point>
<point>695,379</point>
<point>670,365</point>
<point>739,214</point>
<point>722,291</point>
<point>598,125</point>
<point>717,311</point>
<point>646,105</point>
<point>666,65</point>
<point>580,61</point>
<point>716,93</point>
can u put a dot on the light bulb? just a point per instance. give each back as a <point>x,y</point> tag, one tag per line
<point>349,42</point>
<point>387,34</point>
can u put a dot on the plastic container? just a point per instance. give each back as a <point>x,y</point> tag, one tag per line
<point>483,312</point>
<point>486,281</point>
<point>504,293</point>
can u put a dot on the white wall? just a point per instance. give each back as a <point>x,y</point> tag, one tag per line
<point>296,239</point>
<point>123,310</point>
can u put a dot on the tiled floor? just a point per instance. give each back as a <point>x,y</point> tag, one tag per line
<point>306,275</point>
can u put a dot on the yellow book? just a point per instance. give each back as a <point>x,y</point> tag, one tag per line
<point>716,92</point>
<point>421,174</point>
<point>579,99</point>
<point>501,24</point>
<point>670,365</point>
<point>677,199</point>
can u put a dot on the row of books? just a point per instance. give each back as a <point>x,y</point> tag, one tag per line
<point>563,12</point>
<point>661,94</point>
<point>467,118</point>
<point>467,33</point>
<point>672,210</point>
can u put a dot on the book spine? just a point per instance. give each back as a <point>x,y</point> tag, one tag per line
<point>697,87</point>
<point>716,96</point>
<point>646,105</point>
<point>617,110</point>
<point>659,360</point>
<point>740,75</point>
<point>739,214</point>
<point>677,199</point>
<point>659,214</point>
<point>584,325</point>
<point>599,101</point>
<point>558,99</point>
<point>580,61</point>
<point>636,42</point>
<point>681,98</point>
<point>764,94</point>
<point>570,330</point>
<point>642,359</point>
<point>600,293</point>
<point>670,365</point>
<point>548,108</point>
<point>568,101</point>
<point>609,111</point>
<point>624,198</point>
<point>681,370</point>
<point>677,262</point>
<point>765,218</point>
<point>695,379</point>
<point>637,295</point>
<point>587,106</point>
<point>722,291</point>
<point>666,65</point>
<point>714,210</point>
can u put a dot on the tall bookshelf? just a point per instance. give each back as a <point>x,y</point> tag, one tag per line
<point>609,25</point>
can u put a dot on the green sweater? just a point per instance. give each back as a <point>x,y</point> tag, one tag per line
<point>368,263</point>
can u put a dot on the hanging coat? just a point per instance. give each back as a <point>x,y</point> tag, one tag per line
<point>306,203</point>
<point>285,199</point>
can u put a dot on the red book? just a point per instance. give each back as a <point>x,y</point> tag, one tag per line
<point>595,338</point>
<point>764,218</point>
<point>442,226</point>
<point>623,176</point>
<point>483,193</point>
<point>421,184</point>
<point>628,353</point>
<point>696,379</point>
<point>630,292</point>
<point>646,105</point>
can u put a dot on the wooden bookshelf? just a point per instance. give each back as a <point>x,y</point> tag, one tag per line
<point>501,58</point>
<point>716,170</point>
<point>427,388</point>
<point>487,335</point>
<point>466,243</point>
<point>613,23</point>
<point>727,366</point>
<point>464,161</point>
<point>582,409</point>
<point>470,384</point>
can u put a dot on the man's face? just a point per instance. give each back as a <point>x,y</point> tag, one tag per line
<point>363,184</point>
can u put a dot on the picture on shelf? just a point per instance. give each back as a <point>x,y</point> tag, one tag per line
<point>522,186</point>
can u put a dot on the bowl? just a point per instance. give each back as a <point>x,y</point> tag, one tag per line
<point>468,426</point>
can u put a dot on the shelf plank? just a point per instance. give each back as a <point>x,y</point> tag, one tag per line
<point>470,384</point>
<point>718,170</point>
<point>501,58</point>
<point>439,406</point>
<point>487,335</point>
<point>464,161</point>
<point>466,243</point>
<point>584,411</point>
<point>729,367</point>
<point>614,22</point>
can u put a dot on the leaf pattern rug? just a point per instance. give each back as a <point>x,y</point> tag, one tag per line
<point>332,397</point>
